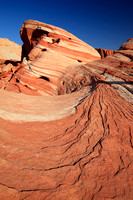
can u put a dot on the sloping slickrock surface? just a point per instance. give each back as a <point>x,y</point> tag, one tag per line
<point>9,50</point>
<point>76,146</point>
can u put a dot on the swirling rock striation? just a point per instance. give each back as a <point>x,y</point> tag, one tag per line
<point>52,58</point>
<point>78,145</point>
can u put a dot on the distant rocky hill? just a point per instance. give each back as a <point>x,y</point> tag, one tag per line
<point>105,52</point>
<point>127,45</point>
<point>9,50</point>
<point>66,119</point>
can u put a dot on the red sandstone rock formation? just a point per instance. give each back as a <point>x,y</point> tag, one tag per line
<point>43,40</point>
<point>9,50</point>
<point>127,45</point>
<point>53,59</point>
<point>74,146</point>
<point>105,52</point>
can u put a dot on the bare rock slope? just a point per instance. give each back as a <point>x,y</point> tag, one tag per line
<point>9,50</point>
<point>66,128</point>
<point>127,45</point>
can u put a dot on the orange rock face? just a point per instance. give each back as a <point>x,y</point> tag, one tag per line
<point>40,38</point>
<point>127,45</point>
<point>52,59</point>
<point>74,146</point>
<point>105,52</point>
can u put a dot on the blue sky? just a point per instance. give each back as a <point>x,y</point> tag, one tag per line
<point>106,24</point>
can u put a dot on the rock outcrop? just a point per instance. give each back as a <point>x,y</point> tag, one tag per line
<point>127,45</point>
<point>105,52</point>
<point>73,144</point>
<point>9,50</point>
<point>52,59</point>
<point>40,38</point>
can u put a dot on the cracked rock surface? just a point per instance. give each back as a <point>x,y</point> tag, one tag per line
<point>74,142</point>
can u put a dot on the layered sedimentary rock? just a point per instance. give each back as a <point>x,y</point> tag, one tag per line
<point>105,52</point>
<point>74,146</point>
<point>40,38</point>
<point>9,50</point>
<point>127,45</point>
<point>52,59</point>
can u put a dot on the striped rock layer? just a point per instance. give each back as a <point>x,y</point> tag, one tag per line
<point>52,59</point>
<point>74,146</point>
